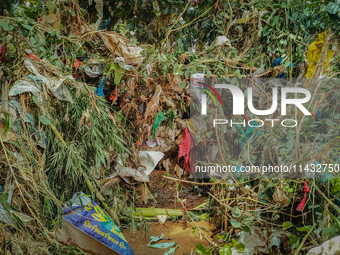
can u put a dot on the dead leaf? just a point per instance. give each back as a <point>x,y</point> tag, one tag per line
<point>179,171</point>
<point>9,136</point>
<point>280,196</point>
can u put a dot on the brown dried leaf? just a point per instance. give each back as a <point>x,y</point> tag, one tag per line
<point>280,196</point>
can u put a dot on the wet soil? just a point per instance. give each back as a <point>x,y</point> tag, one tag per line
<point>185,238</point>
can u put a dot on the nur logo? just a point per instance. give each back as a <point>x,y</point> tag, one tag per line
<point>238,99</point>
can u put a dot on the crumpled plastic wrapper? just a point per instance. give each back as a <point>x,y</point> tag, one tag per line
<point>121,62</point>
<point>148,160</point>
<point>33,84</point>
<point>139,174</point>
<point>120,46</point>
<point>93,71</point>
<point>100,7</point>
<point>260,241</point>
<point>221,40</point>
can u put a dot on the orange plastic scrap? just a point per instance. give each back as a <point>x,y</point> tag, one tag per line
<point>314,53</point>
<point>77,63</point>
<point>32,56</point>
<point>114,95</point>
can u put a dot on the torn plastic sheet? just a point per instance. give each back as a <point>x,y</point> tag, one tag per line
<point>106,24</point>
<point>221,40</point>
<point>120,46</point>
<point>100,90</point>
<point>5,216</point>
<point>148,160</point>
<point>151,144</point>
<point>32,84</point>
<point>160,116</point>
<point>93,71</point>
<point>171,245</point>
<point>260,241</point>
<point>121,62</point>
<point>100,7</point>
<point>139,174</point>
<point>94,222</point>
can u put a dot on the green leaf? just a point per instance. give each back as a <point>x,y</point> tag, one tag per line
<point>247,229</point>
<point>238,74</point>
<point>35,100</point>
<point>8,122</point>
<point>290,144</point>
<point>6,26</point>
<point>274,20</point>
<point>33,41</point>
<point>58,36</point>
<point>205,216</point>
<point>3,200</point>
<point>239,247</point>
<point>295,16</point>
<point>226,237</point>
<point>304,228</point>
<point>336,221</point>
<point>44,120</point>
<point>208,74</point>
<point>329,123</point>
<point>235,223</point>
<point>27,26</point>
<point>313,206</point>
<point>200,248</point>
<point>333,8</point>
<point>287,63</point>
<point>331,231</point>
<point>50,6</point>
<point>236,213</point>
<point>226,250</point>
<point>118,74</point>
<point>290,190</point>
<point>287,225</point>
<point>293,239</point>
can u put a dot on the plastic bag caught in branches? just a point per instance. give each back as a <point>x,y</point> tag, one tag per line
<point>121,47</point>
<point>32,84</point>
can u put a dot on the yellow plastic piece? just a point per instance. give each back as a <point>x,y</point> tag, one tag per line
<point>314,53</point>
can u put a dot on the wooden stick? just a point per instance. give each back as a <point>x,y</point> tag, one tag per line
<point>4,97</point>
